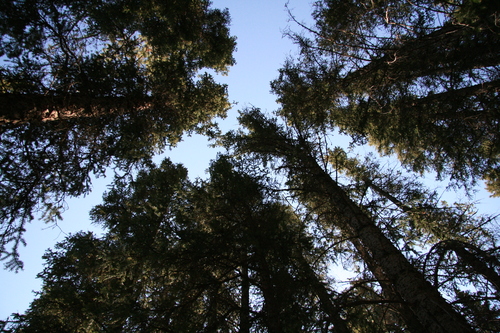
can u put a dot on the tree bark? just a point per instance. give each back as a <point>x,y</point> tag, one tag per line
<point>18,109</point>
<point>325,195</point>
<point>389,290</point>
<point>432,311</point>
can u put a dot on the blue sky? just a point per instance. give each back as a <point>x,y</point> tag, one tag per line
<point>261,50</point>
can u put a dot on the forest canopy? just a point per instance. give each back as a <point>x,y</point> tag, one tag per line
<point>86,85</point>
<point>415,79</point>
<point>255,246</point>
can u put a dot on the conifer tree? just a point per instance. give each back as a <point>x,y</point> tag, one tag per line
<point>213,255</point>
<point>417,79</point>
<point>85,85</point>
<point>400,279</point>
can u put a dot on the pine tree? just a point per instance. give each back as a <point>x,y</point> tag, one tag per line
<point>231,253</point>
<point>213,255</point>
<point>401,281</point>
<point>416,79</point>
<point>85,85</point>
<point>252,247</point>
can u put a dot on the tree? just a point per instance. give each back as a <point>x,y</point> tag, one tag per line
<point>88,286</point>
<point>399,279</point>
<point>228,254</point>
<point>216,255</point>
<point>90,84</point>
<point>363,73</point>
<point>88,58</point>
<point>416,79</point>
<point>251,250</point>
<point>463,260</point>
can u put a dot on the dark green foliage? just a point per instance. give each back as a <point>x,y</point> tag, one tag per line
<point>416,79</point>
<point>227,254</point>
<point>368,217</point>
<point>90,84</point>
<point>177,257</point>
<point>88,287</point>
<point>252,250</point>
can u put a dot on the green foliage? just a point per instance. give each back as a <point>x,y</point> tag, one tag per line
<point>396,205</point>
<point>87,284</point>
<point>102,48</point>
<point>364,72</point>
<point>86,85</point>
<point>181,256</point>
<point>247,249</point>
<point>422,217</point>
<point>173,259</point>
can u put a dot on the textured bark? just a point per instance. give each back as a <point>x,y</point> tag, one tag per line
<point>389,290</point>
<point>19,109</point>
<point>432,311</point>
<point>428,307</point>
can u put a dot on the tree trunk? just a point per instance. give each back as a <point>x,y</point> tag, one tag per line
<point>432,311</point>
<point>18,109</point>
<point>389,291</point>
<point>245,299</point>
<point>387,263</point>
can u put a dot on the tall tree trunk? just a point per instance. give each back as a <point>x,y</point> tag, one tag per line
<point>433,312</point>
<point>245,298</point>
<point>389,290</point>
<point>20,109</point>
<point>386,262</point>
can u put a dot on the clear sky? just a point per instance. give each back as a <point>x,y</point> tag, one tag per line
<point>261,50</point>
